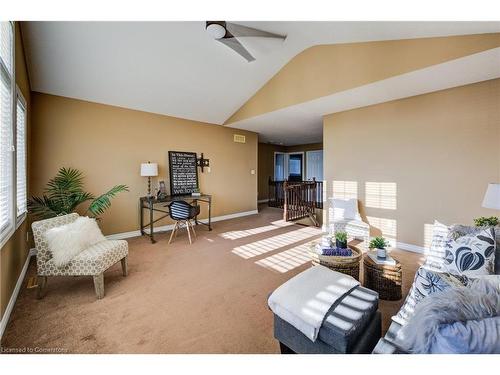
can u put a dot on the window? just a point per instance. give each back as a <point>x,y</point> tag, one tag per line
<point>21,194</point>
<point>279,166</point>
<point>314,165</point>
<point>6,129</point>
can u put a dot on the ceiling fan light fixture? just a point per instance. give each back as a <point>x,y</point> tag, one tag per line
<point>216,31</point>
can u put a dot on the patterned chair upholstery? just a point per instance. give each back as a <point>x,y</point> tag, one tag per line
<point>93,261</point>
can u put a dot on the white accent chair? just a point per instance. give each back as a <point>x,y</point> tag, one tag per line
<point>343,215</point>
<point>92,261</point>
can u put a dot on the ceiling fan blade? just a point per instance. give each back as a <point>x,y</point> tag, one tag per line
<point>243,31</point>
<point>237,47</point>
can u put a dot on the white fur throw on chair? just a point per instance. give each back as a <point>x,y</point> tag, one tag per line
<point>67,241</point>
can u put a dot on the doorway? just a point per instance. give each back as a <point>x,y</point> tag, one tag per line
<point>289,166</point>
<point>295,166</point>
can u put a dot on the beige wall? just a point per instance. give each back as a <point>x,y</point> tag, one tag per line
<point>324,70</point>
<point>303,148</point>
<point>266,162</point>
<point>109,143</point>
<point>13,254</point>
<point>439,151</point>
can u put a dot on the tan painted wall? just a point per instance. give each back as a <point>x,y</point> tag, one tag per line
<point>13,254</point>
<point>327,69</point>
<point>266,162</point>
<point>109,143</point>
<point>308,147</point>
<point>440,149</point>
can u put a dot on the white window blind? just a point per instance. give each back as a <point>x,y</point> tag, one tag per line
<point>6,129</point>
<point>6,46</point>
<point>21,195</point>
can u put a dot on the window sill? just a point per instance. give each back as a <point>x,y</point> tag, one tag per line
<point>6,234</point>
<point>20,219</point>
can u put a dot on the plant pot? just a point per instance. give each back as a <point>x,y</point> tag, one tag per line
<point>381,253</point>
<point>341,244</point>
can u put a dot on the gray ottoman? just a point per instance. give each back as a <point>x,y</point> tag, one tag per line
<point>351,326</point>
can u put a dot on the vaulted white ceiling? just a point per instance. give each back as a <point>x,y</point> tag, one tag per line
<point>303,123</point>
<point>176,69</point>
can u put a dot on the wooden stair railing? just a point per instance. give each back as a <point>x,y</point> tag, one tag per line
<point>300,201</point>
<point>276,193</point>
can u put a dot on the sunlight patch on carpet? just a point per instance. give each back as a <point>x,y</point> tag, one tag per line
<point>237,234</point>
<point>287,260</point>
<point>273,243</point>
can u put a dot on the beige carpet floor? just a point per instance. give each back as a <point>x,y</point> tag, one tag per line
<point>209,297</point>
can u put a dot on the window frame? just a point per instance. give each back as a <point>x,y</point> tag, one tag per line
<point>20,98</point>
<point>285,169</point>
<point>8,231</point>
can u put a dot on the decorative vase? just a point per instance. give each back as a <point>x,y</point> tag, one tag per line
<point>341,244</point>
<point>381,253</point>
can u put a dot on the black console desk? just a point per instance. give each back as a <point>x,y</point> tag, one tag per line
<point>150,204</point>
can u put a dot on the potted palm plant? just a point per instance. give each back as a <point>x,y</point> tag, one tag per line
<point>380,244</point>
<point>64,194</point>
<point>341,240</point>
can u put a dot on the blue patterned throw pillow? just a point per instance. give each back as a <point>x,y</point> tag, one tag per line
<point>425,283</point>
<point>471,254</point>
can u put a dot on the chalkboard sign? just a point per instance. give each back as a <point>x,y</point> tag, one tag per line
<point>183,172</point>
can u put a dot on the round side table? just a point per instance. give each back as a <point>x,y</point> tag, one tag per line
<point>348,265</point>
<point>384,279</point>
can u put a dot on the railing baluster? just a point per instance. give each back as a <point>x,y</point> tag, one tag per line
<point>297,199</point>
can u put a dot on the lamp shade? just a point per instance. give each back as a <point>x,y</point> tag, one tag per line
<point>149,169</point>
<point>492,197</point>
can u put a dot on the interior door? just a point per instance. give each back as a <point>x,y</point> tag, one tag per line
<point>314,165</point>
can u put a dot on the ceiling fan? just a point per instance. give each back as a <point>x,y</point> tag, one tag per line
<point>228,33</point>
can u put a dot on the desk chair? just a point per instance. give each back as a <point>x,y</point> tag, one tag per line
<point>182,212</point>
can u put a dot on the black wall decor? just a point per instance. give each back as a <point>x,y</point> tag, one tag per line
<point>183,172</point>
<point>202,162</point>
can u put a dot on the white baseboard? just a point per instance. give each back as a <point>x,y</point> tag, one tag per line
<point>410,247</point>
<point>15,292</point>
<point>163,228</point>
<point>263,201</point>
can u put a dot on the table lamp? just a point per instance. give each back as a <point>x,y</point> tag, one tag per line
<point>149,170</point>
<point>492,197</point>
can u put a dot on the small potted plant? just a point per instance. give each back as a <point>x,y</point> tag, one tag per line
<point>379,243</point>
<point>486,221</point>
<point>341,240</point>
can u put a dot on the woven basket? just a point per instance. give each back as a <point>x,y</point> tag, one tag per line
<point>348,265</point>
<point>386,280</point>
